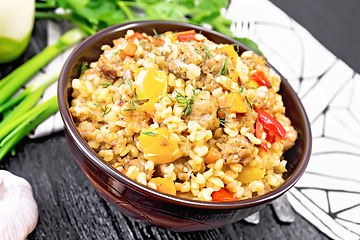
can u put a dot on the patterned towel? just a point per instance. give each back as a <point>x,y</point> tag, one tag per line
<point>328,195</point>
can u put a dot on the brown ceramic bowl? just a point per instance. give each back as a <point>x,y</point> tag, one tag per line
<point>141,202</point>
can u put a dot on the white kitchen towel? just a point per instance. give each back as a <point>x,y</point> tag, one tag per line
<point>328,195</point>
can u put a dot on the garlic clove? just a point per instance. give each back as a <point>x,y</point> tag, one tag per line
<point>18,208</point>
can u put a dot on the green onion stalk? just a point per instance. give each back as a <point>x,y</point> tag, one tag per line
<point>44,110</point>
<point>12,82</point>
<point>20,114</point>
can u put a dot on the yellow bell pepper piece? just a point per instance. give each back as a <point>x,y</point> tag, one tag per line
<point>150,83</point>
<point>230,52</point>
<point>249,174</point>
<point>253,84</point>
<point>149,106</point>
<point>157,146</point>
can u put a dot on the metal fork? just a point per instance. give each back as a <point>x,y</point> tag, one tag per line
<point>243,25</point>
<point>282,210</point>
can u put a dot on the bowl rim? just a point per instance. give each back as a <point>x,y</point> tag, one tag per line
<point>95,159</point>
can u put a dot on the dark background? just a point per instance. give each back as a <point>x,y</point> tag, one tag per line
<point>334,23</point>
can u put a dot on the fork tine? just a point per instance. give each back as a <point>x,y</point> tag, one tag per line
<point>251,29</point>
<point>283,210</point>
<point>253,219</point>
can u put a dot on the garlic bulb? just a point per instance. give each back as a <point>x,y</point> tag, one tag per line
<point>18,209</point>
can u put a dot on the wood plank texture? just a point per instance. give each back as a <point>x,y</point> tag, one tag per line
<point>70,207</point>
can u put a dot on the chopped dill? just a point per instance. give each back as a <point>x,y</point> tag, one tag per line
<point>84,67</point>
<point>223,109</point>
<point>224,121</point>
<point>123,81</point>
<point>97,105</point>
<point>186,103</point>
<point>249,103</point>
<point>106,111</point>
<point>142,42</point>
<point>185,59</point>
<point>237,47</point>
<point>132,105</point>
<point>156,34</point>
<point>241,89</point>
<point>170,98</point>
<point>197,51</point>
<point>115,53</point>
<point>224,69</point>
<point>105,85</point>
<point>150,134</point>
<point>129,82</point>
<point>207,52</point>
<point>137,100</point>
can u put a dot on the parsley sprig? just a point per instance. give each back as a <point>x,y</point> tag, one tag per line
<point>89,15</point>
<point>186,103</point>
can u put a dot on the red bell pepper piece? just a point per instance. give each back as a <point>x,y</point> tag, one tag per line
<point>259,130</point>
<point>223,195</point>
<point>158,42</point>
<point>271,124</point>
<point>261,79</point>
<point>138,36</point>
<point>187,36</point>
